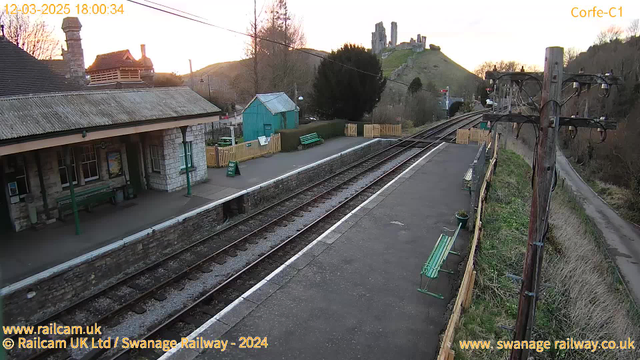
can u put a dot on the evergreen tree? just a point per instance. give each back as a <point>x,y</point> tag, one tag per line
<point>415,86</point>
<point>342,92</point>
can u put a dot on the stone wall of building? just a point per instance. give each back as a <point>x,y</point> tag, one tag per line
<point>171,176</point>
<point>19,212</point>
<point>154,179</point>
<point>176,178</point>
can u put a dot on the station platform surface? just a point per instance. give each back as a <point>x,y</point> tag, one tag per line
<point>352,293</point>
<point>29,252</point>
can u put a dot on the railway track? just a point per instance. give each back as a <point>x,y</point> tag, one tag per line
<point>157,283</point>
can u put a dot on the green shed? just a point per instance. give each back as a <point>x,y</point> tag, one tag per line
<point>267,113</point>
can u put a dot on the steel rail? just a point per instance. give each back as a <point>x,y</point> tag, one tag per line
<point>184,273</point>
<point>287,241</point>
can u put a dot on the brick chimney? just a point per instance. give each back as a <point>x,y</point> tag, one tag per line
<point>143,50</point>
<point>74,56</point>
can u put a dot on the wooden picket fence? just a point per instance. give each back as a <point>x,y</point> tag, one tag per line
<point>465,136</point>
<point>350,130</point>
<point>462,136</point>
<point>377,130</point>
<point>465,293</point>
<point>220,156</point>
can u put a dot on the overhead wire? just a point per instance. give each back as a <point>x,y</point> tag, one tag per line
<point>203,22</point>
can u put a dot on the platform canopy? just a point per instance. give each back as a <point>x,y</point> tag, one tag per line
<point>34,121</point>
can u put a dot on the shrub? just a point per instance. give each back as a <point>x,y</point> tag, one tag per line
<point>290,138</point>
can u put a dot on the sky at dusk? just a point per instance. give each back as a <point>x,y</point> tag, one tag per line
<point>469,32</point>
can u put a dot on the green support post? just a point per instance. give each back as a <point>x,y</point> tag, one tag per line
<point>74,204</point>
<point>186,159</point>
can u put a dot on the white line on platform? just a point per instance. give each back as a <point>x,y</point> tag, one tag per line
<point>242,297</point>
<point>141,234</point>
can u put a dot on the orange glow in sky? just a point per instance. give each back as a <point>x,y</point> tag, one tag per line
<point>469,32</point>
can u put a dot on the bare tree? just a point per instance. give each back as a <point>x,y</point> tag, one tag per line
<point>281,67</point>
<point>35,37</point>
<point>634,29</point>
<point>252,48</point>
<point>570,54</point>
<point>503,66</point>
<point>611,34</point>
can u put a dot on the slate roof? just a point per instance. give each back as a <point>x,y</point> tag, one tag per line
<point>32,115</point>
<point>58,66</point>
<point>118,59</point>
<point>21,73</point>
<point>276,102</point>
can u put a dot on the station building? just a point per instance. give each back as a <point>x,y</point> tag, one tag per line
<point>57,135</point>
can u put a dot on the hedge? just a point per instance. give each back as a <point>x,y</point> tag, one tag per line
<point>290,138</point>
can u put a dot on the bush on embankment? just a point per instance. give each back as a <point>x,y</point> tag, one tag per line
<point>584,299</point>
<point>325,129</point>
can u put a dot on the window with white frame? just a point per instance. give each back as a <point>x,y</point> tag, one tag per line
<point>64,180</point>
<point>156,157</point>
<point>16,176</point>
<point>89,163</point>
<point>189,156</point>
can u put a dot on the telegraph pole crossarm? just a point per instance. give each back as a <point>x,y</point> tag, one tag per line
<point>547,122</point>
<point>564,120</point>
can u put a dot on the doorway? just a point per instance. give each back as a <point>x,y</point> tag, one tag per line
<point>133,162</point>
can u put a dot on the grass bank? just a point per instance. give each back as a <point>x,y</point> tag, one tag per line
<point>395,59</point>
<point>582,298</point>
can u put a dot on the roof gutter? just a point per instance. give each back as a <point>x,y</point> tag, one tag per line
<point>56,134</point>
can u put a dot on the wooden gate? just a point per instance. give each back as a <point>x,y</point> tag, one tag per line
<point>462,136</point>
<point>479,135</point>
<point>390,130</point>
<point>351,130</point>
<point>241,152</point>
<point>372,131</point>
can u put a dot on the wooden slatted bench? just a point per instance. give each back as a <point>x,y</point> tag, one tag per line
<point>310,139</point>
<point>84,198</point>
<point>467,179</point>
<point>439,254</point>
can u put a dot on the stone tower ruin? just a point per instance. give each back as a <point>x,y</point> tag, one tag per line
<point>378,39</point>
<point>394,34</point>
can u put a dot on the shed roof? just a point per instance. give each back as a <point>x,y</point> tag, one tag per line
<point>276,102</point>
<point>31,115</point>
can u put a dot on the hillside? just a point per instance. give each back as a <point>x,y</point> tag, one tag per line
<point>430,66</point>
<point>612,168</point>
<point>231,80</point>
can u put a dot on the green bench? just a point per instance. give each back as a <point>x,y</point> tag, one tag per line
<point>310,139</point>
<point>84,198</point>
<point>433,266</point>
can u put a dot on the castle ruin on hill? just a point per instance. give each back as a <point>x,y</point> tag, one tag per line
<point>379,40</point>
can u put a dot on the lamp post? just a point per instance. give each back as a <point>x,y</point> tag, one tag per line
<point>208,85</point>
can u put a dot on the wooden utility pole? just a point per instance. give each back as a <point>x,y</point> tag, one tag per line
<point>191,76</point>
<point>545,164</point>
<point>549,122</point>
<point>255,46</point>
